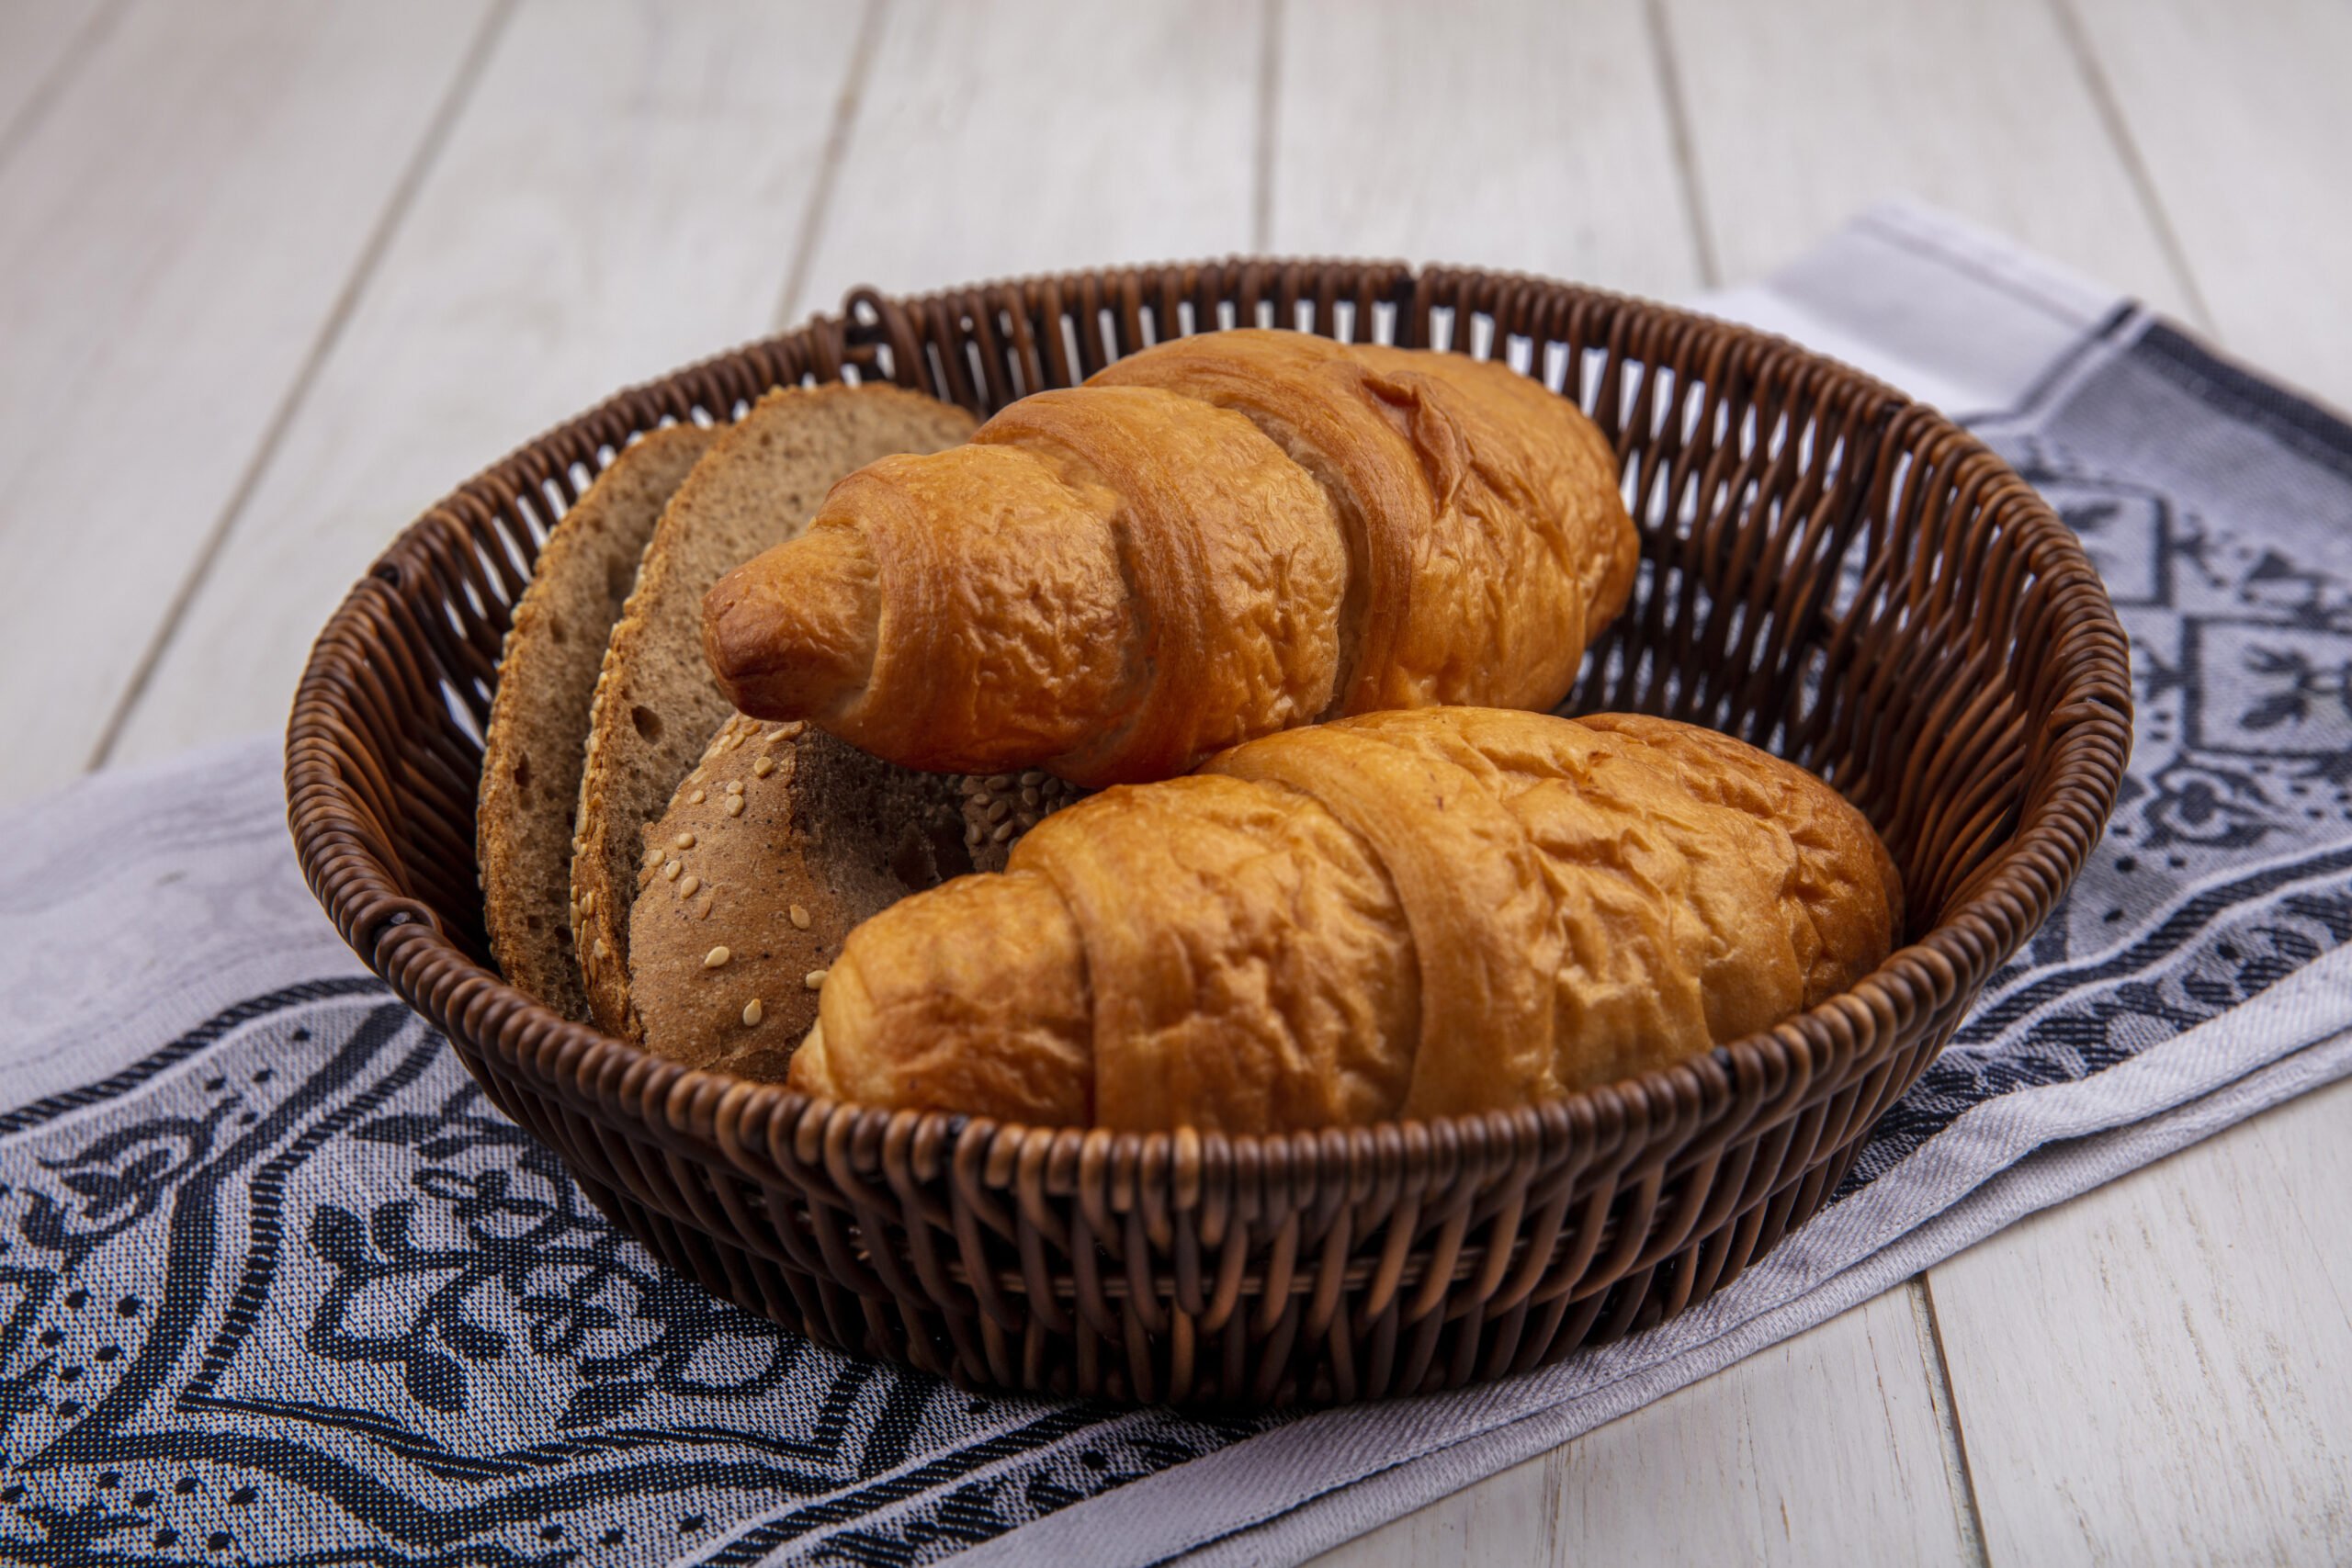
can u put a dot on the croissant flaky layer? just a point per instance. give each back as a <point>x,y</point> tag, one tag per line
<point>1213,539</point>
<point>1411,913</point>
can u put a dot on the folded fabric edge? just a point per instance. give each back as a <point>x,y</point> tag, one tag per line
<point>1923,300</point>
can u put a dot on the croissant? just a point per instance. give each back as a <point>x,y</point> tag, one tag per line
<point>1412,913</point>
<point>1213,539</point>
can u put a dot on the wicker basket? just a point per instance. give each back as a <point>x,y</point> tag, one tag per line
<point>1828,570</point>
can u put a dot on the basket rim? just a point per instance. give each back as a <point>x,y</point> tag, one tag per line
<point>2071,772</point>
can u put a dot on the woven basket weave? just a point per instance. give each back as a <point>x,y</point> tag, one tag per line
<point>1827,570</point>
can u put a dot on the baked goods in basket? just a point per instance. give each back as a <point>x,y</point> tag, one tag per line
<point>780,842</point>
<point>655,705</point>
<point>602,701</point>
<point>1213,539</point>
<point>539,719</point>
<point>1413,913</point>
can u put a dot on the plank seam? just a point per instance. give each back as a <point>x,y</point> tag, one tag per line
<point>1958,1476</point>
<point>836,153</point>
<point>2109,110</point>
<point>1679,135</point>
<point>396,209</point>
<point>1269,73</point>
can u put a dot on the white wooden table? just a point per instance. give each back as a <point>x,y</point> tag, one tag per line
<point>274,273</point>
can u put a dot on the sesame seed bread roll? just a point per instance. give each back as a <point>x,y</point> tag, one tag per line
<point>1408,914</point>
<point>775,846</point>
<point>778,842</point>
<point>1215,539</point>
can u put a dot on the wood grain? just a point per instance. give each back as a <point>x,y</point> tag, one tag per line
<point>2161,1370</point>
<point>37,38</point>
<point>1802,115</point>
<point>1014,136</point>
<point>619,196</point>
<point>2245,127</point>
<point>1568,168</point>
<point>1824,1448</point>
<point>163,276</point>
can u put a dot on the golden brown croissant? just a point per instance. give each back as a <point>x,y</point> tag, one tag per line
<point>1217,538</point>
<point>1411,913</point>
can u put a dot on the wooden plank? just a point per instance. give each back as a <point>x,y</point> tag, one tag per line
<point>2161,1370</point>
<point>165,270</point>
<point>619,197</point>
<point>1802,115</point>
<point>2241,122</point>
<point>1825,1447</point>
<point>1020,136</point>
<point>1563,164</point>
<point>37,38</point>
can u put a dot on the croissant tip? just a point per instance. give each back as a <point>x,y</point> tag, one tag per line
<point>786,637</point>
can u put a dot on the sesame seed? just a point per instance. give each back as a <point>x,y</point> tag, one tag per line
<point>814,978</point>
<point>1029,797</point>
<point>702,910</point>
<point>685,841</point>
<point>734,786</point>
<point>1032,779</point>
<point>734,805</point>
<point>800,917</point>
<point>602,950</point>
<point>764,767</point>
<point>686,888</point>
<point>653,856</point>
<point>1000,811</point>
<point>752,1011</point>
<point>1003,831</point>
<point>998,782</point>
<point>588,902</point>
<point>670,869</point>
<point>697,798</point>
<point>716,958</point>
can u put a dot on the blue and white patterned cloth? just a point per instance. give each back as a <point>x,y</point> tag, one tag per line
<point>278,1287</point>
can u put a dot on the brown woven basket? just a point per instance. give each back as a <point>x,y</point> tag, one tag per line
<point>1828,570</point>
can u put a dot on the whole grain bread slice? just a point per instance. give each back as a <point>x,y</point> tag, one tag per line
<point>775,846</point>
<point>656,703</point>
<point>538,720</point>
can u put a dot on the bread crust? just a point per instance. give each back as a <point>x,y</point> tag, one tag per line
<point>1411,913</point>
<point>655,705</point>
<point>538,720</point>
<point>778,844</point>
<point>1215,538</point>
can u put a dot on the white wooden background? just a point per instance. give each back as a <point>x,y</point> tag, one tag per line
<point>274,274</point>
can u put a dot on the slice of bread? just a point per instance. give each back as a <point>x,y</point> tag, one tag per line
<point>656,703</point>
<point>538,720</point>
<point>781,840</point>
